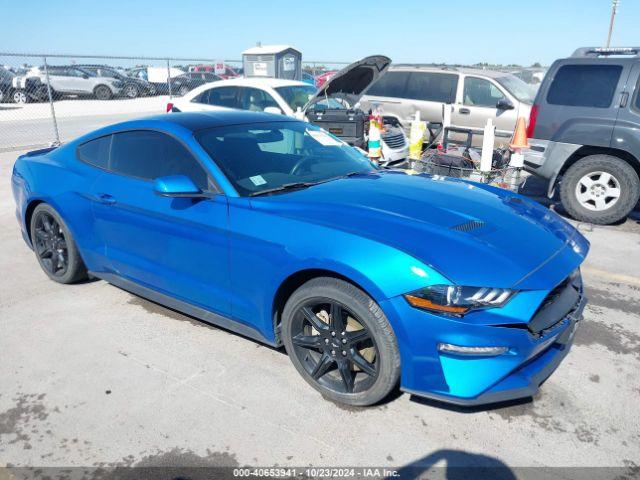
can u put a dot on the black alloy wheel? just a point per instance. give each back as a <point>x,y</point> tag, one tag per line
<point>340,341</point>
<point>51,245</point>
<point>54,247</point>
<point>334,347</point>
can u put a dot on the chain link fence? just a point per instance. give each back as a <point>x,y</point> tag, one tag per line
<point>47,99</point>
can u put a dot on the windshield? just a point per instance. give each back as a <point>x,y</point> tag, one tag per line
<point>516,87</point>
<point>266,156</point>
<point>296,95</point>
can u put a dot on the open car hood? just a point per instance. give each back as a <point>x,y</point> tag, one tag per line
<point>351,82</point>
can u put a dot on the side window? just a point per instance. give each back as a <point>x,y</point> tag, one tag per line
<point>149,155</point>
<point>391,84</point>
<point>432,87</point>
<point>96,152</point>
<point>224,97</point>
<point>584,85</point>
<point>636,104</point>
<point>256,100</point>
<point>480,92</point>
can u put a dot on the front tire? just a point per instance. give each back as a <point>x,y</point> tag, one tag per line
<point>600,189</point>
<point>341,342</point>
<point>54,247</point>
<point>102,92</point>
<point>131,91</point>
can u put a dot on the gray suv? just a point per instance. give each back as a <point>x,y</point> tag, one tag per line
<point>474,96</point>
<point>583,133</point>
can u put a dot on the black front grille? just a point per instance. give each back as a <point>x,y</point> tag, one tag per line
<point>559,303</point>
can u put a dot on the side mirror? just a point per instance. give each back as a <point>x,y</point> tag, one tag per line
<point>85,76</point>
<point>178,186</point>
<point>275,110</point>
<point>504,104</point>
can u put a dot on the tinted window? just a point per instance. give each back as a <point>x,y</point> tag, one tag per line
<point>637,102</point>
<point>224,97</point>
<point>584,85</point>
<point>258,157</point>
<point>433,87</point>
<point>149,155</point>
<point>480,92</point>
<point>391,84</point>
<point>96,152</point>
<point>256,100</point>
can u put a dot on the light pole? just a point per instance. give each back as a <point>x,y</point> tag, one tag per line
<point>614,9</point>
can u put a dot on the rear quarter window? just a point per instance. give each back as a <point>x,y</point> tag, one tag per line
<point>96,152</point>
<point>584,85</point>
<point>391,84</point>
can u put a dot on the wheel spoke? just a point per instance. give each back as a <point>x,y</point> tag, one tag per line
<point>41,234</point>
<point>322,366</point>
<point>363,364</point>
<point>613,192</point>
<point>308,341</point>
<point>586,182</point>
<point>337,317</point>
<point>313,319</point>
<point>47,224</point>
<point>605,178</point>
<point>358,336</point>
<point>601,203</point>
<point>347,375</point>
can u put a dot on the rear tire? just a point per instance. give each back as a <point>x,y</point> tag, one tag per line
<point>102,92</point>
<point>600,189</point>
<point>54,247</point>
<point>353,360</point>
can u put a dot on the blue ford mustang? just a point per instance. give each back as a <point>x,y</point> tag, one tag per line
<point>274,229</point>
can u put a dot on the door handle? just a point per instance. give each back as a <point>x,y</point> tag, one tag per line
<point>624,97</point>
<point>106,199</point>
<point>464,111</point>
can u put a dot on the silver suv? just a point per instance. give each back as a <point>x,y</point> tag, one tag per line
<point>474,96</point>
<point>73,81</point>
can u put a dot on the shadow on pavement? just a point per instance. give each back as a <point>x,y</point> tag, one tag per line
<point>460,465</point>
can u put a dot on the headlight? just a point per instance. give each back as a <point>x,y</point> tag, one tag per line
<point>457,300</point>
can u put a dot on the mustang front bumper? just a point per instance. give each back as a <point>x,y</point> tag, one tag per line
<point>477,380</point>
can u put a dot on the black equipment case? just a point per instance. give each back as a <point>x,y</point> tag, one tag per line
<point>347,125</point>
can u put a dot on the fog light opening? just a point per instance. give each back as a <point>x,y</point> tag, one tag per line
<point>478,351</point>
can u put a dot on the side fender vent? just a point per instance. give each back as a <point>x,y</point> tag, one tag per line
<point>468,226</point>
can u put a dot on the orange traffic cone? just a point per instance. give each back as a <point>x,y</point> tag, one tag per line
<point>519,139</point>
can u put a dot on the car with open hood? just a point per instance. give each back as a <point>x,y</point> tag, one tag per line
<point>333,107</point>
<point>272,228</point>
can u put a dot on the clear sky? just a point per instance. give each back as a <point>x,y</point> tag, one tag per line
<point>451,31</point>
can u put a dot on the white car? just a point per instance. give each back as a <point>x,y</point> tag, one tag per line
<point>71,80</point>
<point>287,97</point>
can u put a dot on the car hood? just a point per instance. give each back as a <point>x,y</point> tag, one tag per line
<point>350,82</point>
<point>471,233</point>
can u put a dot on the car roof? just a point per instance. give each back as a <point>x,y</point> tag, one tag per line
<point>196,121</point>
<point>259,82</point>
<point>432,68</point>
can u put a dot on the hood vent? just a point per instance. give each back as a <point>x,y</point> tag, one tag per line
<point>468,226</point>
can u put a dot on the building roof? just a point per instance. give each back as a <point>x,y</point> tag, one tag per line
<point>267,49</point>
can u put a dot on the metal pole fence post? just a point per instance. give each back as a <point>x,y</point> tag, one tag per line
<point>169,79</point>
<point>56,133</point>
